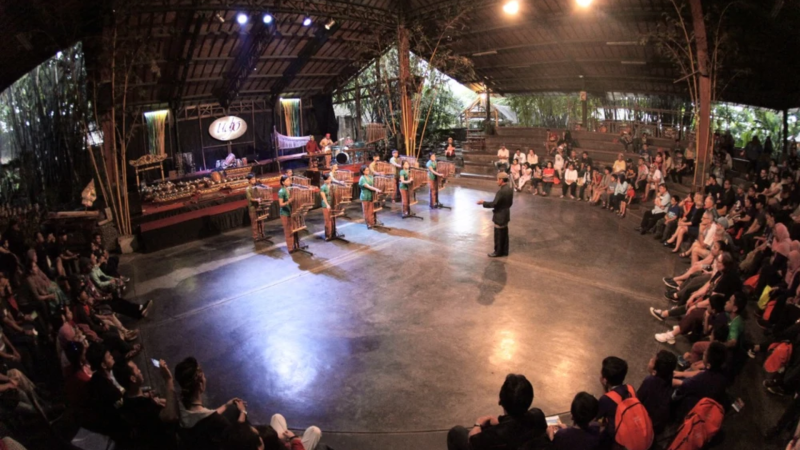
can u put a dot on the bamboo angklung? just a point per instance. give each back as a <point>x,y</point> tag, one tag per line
<point>420,178</point>
<point>265,194</point>
<point>386,185</point>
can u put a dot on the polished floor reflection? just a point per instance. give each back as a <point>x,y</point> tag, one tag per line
<point>411,328</point>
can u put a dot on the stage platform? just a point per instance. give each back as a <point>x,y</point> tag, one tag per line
<point>388,341</point>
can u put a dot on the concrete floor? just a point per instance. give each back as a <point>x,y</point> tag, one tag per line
<point>403,333</point>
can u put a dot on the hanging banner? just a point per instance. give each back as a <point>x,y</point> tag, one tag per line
<point>227,128</point>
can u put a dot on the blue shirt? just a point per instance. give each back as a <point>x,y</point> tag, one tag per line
<point>431,167</point>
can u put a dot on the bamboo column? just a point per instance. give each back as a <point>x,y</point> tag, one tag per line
<point>407,122</point>
<point>704,154</point>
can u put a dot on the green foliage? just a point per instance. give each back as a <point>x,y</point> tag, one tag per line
<point>42,116</point>
<point>744,122</point>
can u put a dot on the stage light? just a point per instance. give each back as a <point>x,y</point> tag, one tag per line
<point>584,3</point>
<point>267,18</point>
<point>511,7</point>
<point>219,18</point>
<point>307,21</point>
<point>330,24</point>
<point>241,18</point>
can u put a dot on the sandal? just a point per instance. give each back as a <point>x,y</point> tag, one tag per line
<point>685,254</point>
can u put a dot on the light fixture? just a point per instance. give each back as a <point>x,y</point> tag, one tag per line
<point>267,18</point>
<point>511,7</point>
<point>241,18</point>
<point>330,24</point>
<point>584,3</point>
<point>307,21</point>
<point>219,18</point>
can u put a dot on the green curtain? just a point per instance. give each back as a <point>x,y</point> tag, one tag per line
<point>155,130</point>
<point>292,108</point>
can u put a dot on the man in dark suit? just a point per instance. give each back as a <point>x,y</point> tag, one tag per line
<point>501,215</point>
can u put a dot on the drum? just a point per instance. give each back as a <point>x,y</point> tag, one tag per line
<point>342,158</point>
<point>216,176</point>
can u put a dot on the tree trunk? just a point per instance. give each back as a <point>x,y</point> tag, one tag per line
<point>704,153</point>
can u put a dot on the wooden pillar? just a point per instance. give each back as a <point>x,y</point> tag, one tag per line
<point>785,131</point>
<point>403,51</point>
<point>487,127</point>
<point>357,118</point>
<point>704,153</point>
<point>584,110</point>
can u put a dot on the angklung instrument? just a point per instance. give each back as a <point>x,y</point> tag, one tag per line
<point>418,179</point>
<point>342,192</point>
<point>301,198</point>
<point>446,169</point>
<point>264,195</point>
<point>300,181</point>
<point>384,167</point>
<point>412,161</point>
<point>385,183</point>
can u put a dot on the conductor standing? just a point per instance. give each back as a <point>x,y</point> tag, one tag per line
<point>501,215</point>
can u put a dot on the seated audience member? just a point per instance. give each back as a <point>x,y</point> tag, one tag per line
<point>536,180</point>
<point>103,282</point>
<point>105,395</point>
<point>112,337</point>
<point>202,428</point>
<point>525,178</point>
<point>585,432</point>
<point>659,211</point>
<point>243,436</point>
<point>600,186</point>
<point>514,428</point>
<point>710,383</point>
<point>87,280</point>
<point>277,436</point>
<point>548,178</point>
<point>152,417</point>
<point>674,214</point>
<point>688,223</point>
<point>42,256</point>
<point>655,392</point>
<point>654,180</point>
<point>65,258</point>
<point>620,191</point>
<point>619,165</point>
<point>47,297</point>
<point>587,178</point>
<point>703,266</point>
<point>570,181</point>
<point>725,281</point>
<point>612,376</point>
<point>516,172</point>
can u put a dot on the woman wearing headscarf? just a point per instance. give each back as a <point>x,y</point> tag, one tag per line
<point>775,267</point>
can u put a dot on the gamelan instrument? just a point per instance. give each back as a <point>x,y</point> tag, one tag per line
<point>342,193</point>
<point>386,185</point>
<point>384,167</point>
<point>264,194</point>
<point>300,181</point>
<point>447,169</point>
<point>342,158</point>
<point>412,161</point>
<point>420,178</point>
<point>301,198</point>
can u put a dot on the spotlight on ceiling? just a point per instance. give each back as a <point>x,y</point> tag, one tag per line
<point>267,18</point>
<point>584,3</point>
<point>307,21</point>
<point>329,24</point>
<point>219,18</point>
<point>241,18</point>
<point>511,7</point>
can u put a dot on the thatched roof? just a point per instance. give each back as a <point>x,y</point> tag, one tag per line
<point>552,45</point>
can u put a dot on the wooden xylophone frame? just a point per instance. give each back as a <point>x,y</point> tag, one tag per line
<point>386,185</point>
<point>418,177</point>
<point>412,161</point>
<point>447,169</point>
<point>300,181</point>
<point>346,178</point>
<point>264,193</point>
<point>301,198</point>
<point>384,167</point>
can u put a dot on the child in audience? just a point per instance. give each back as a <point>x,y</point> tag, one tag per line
<point>584,434</point>
<point>655,393</point>
<point>548,175</point>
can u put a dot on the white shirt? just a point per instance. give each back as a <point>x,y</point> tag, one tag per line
<point>664,204</point>
<point>502,154</point>
<point>655,177</point>
<point>571,176</point>
<point>520,157</point>
<point>532,159</point>
<point>559,164</point>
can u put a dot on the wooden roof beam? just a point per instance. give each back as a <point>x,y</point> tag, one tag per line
<point>296,66</point>
<point>479,49</point>
<point>603,16</point>
<point>246,62</point>
<point>339,10</point>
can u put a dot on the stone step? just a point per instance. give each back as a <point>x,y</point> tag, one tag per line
<point>476,176</point>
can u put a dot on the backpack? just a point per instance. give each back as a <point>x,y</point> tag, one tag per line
<point>700,426</point>
<point>633,428</point>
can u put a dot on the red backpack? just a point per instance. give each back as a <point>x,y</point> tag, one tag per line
<point>633,428</point>
<point>700,426</point>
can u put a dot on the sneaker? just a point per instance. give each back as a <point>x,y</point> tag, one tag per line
<point>666,338</point>
<point>774,389</point>
<point>670,282</point>
<point>657,314</point>
<point>668,295</point>
<point>751,354</point>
